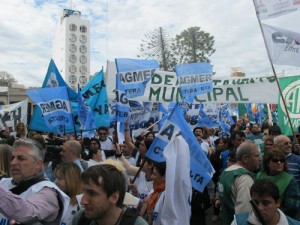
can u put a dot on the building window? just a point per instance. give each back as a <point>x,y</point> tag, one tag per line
<point>72,79</point>
<point>72,69</point>
<point>73,37</point>
<point>72,27</point>
<point>82,69</point>
<point>82,80</point>
<point>72,48</point>
<point>72,58</point>
<point>83,29</point>
<point>83,39</point>
<point>83,49</point>
<point>83,59</point>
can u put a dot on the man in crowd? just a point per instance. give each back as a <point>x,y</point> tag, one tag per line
<point>236,180</point>
<point>285,145</point>
<point>106,142</point>
<point>265,194</point>
<point>71,151</point>
<point>28,193</point>
<point>104,188</point>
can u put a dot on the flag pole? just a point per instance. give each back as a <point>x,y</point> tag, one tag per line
<point>274,72</point>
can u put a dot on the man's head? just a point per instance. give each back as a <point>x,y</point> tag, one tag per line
<point>283,143</point>
<point>247,155</point>
<point>265,194</point>
<point>102,133</point>
<point>27,159</point>
<point>256,129</point>
<point>274,131</point>
<point>71,151</point>
<point>104,188</point>
<point>236,138</point>
<point>95,144</point>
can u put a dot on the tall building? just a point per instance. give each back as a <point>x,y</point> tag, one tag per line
<point>71,48</point>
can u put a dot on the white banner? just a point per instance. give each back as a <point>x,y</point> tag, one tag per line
<point>12,114</point>
<point>273,8</point>
<point>163,88</point>
<point>283,45</point>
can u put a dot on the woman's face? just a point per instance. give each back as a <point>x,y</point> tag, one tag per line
<point>60,181</point>
<point>276,165</point>
<point>222,146</point>
<point>142,148</point>
<point>269,145</point>
<point>150,136</point>
<point>156,177</point>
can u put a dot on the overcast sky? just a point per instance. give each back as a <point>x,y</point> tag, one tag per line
<point>117,26</point>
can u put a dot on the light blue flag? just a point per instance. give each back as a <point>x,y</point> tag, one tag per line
<point>122,104</point>
<point>194,79</point>
<point>95,96</point>
<point>201,169</point>
<point>85,114</point>
<point>206,120</point>
<point>163,117</point>
<point>135,74</point>
<point>55,106</point>
<point>52,79</point>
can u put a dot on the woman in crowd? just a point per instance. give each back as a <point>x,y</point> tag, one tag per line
<point>68,180</point>
<point>95,156</point>
<point>275,168</point>
<point>96,146</point>
<point>5,157</point>
<point>20,130</point>
<point>269,144</point>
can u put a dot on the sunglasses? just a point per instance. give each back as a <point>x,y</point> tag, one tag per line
<point>278,160</point>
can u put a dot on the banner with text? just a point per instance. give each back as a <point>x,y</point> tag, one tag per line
<point>12,114</point>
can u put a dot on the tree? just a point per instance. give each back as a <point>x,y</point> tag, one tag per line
<point>158,45</point>
<point>193,45</point>
<point>6,79</point>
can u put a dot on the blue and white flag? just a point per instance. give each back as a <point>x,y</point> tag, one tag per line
<point>95,96</point>
<point>206,120</point>
<point>122,103</point>
<point>85,114</point>
<point>55,106</point>
<point>135,74</point>
<point>201,170</point>
<point>194,79</point>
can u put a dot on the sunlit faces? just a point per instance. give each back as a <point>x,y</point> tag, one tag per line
<point>268,207</point>
<point>23,164</point>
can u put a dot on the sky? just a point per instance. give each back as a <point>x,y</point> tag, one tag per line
<point>27,30</point>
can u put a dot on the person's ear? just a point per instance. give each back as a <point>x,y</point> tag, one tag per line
<point>114,197</point>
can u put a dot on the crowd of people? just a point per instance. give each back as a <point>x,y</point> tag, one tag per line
<point>56,179</point>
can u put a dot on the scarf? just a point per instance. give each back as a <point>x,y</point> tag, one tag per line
<point>154,196</point>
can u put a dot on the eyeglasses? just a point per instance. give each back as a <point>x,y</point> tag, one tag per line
<point>102,133</point>
<point>278,160</point>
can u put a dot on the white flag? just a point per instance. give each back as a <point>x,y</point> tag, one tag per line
<point>266,9</point>
<point>283,45</point>
<point>174,205</point>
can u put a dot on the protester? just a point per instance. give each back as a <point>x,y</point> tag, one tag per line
<point>236,180</point>
<point>103,194</point>
<point>28,193</point>
<point>5,157</point>
<point>275,169</point>
<point>106,142</point>
<point>67,178</point>
<point>268,144</point>
<point>265,194</point>
<point>20,130</point>
<point>96,151</point>
<point>71,151</point>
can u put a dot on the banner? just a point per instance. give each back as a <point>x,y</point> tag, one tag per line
<point>266,9</point>
<point>55,106</point>
<point>12,114</point>
<point>290,87</point>
<point>194,79</point>
<point>163,88</point>
<point>283,45</point>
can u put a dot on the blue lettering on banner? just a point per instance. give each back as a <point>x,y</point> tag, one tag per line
<point>4,221</point>
<point>196,177</point>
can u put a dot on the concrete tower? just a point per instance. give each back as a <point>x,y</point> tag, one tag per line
<point>71,48</point>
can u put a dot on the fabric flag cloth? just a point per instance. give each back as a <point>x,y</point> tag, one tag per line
<point>122,107</point>
<point>85,114</point>
<point>283,45</point>
<point>206,120</point>
<point>201,169</point>
<point>266,9</point>
<point>175,207</point>
<point>95,96</point>
<point>55,105</point>
<point>194,79</point>
<point>135,74</point>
